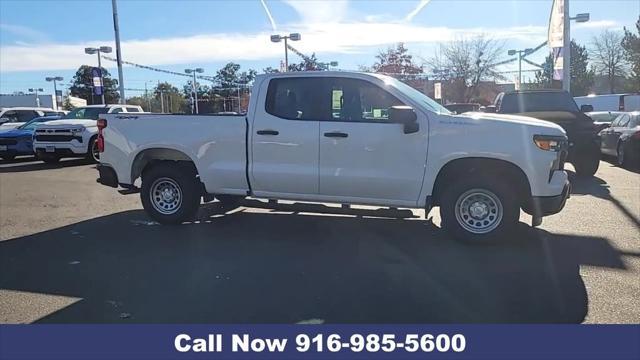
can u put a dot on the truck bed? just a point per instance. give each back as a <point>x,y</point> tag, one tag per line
<point>215,143</point>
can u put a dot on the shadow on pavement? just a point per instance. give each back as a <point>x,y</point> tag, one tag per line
<point>597,187</point>
<point>35,165</point>
<point>276,267</point>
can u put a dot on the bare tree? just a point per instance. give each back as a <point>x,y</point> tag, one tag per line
<point>608,56</point>
<point>465,63</point>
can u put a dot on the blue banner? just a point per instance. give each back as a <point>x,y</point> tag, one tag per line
<point>96,76</point>
<point>320,342</point>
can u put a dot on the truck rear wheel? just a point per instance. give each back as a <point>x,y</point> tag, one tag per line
<point>478,211</point>
<point>170,193</point>
<point>93,153</point>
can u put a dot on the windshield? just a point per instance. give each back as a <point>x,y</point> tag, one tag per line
<point>604,117</point>
<point>33,123</point>
<point>537,101</point>
<point>414,94</point>
<point>92,113</point>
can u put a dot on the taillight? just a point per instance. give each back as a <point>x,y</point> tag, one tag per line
<point>636,135</point>
<point>102,123</point>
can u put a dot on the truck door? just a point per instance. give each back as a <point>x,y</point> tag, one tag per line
<point>284,138</point>
<point>362,154</point>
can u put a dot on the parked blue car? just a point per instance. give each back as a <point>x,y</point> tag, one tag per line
<point>19,141</point>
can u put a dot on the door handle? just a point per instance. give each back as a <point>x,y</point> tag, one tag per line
<point>267,132</point>
<point>336,134</point>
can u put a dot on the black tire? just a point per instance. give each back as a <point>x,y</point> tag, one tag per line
<point>587,164</point>
<point>503,194</point>
<point>173,174</point>
<point>621,156</point>
<point>91,156</point>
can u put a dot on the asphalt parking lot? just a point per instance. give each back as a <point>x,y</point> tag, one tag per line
<point>75,251</point>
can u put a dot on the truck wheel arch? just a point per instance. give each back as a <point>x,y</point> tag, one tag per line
<point>146,158</point>
<point>485,166</point>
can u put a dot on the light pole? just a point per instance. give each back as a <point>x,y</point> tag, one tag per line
<point>566,45</point>
<point>98,50</point>
<point>116,30</point>
<point>55,88</point>
<point>521,54</point>
<point>195,89</point>
<point>36,90</point>
<point>292,37</point>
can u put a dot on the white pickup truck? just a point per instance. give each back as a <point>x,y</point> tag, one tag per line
<point>342,137</point>
<point>75,134</point>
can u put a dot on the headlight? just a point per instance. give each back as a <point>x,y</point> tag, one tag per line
<point>77,131</point>
<point>550,142</point>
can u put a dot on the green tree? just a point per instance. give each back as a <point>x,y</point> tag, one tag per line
<point>581,76</point>
<point>67,105</point>
<point>308,64</point>
<point>172,100</point>
<point>82,86</point>
<point>270,70</point>
<point>631,46</point>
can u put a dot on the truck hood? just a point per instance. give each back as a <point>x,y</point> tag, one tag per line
<point>69,123</point>
<point>514,119</point>
<point>14,133</point>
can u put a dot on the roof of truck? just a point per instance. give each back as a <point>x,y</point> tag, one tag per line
<point>534,91</point>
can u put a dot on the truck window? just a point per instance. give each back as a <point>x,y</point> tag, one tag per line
<point>359,100</point>
<point>92,113</point>
<point>295,98</point>
<point>132,109</point>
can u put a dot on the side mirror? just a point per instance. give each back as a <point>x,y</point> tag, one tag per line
<point>490,109</point>
<point>405,115</point>
<point>586,108</point>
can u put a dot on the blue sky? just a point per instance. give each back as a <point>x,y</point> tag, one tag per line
<point>45,38</point>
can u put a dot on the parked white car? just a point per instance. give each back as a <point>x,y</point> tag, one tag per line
<point>74,135</point>
<point>12,117</point>
<point>341,137</point>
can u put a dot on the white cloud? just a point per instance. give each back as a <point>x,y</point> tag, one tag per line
<point>597,24</point>
<point>26,34</point>
<point>325,38</point>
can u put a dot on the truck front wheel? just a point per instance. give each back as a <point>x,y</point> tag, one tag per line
<point>170,193</point>
<point>478,211</point>
<point>587,163</point>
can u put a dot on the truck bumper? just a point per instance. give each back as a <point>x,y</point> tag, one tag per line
<point>63,149</point>
<point>549,205</point>
<point>107,176</point>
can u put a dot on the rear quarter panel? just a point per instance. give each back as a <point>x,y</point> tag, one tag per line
<point>215,144</point>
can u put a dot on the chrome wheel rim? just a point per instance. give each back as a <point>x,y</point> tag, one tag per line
<point>478,211</point>
<point>95,152</point>
<point>166,196</point>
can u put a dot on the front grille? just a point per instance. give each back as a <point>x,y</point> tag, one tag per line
<point>8,141</point>
<point>58,138</point>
